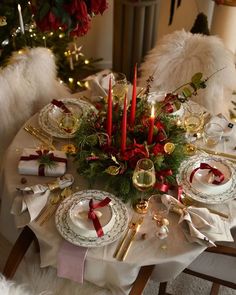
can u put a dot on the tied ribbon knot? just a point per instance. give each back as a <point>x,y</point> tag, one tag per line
<point>60,105</point>
<point>39,155</point>
<point>160,176</point>
<point>215,171</point>
<point>92,215</point>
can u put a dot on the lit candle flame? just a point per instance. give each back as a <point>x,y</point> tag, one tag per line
<point>153,111</point>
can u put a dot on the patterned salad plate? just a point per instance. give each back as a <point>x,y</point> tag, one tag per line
<point>119,211</point>
<point>49,116</point>
<point>201,189</point>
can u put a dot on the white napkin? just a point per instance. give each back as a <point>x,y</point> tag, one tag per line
<point>99,83</point>
<point>228,127</point>
<point>198,224</point>
<point>32,199</point>
<point>31,167</point>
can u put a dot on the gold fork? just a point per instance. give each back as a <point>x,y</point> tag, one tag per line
<point>65,193</point>
<point>44,212</point>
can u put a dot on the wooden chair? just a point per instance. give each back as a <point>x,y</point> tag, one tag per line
<point>27,237</point>
<point>205,267</point>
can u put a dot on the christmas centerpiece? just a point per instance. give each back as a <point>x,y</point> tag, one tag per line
<point>111,141</point>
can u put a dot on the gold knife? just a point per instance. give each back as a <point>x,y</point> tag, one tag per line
<point>123,241</point>
<point>36,135</point>
<point>40,132</point>
<point>131,239</point>
<point>211,152</point>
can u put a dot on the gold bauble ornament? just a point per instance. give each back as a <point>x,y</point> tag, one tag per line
<point>113,170</point>
<point>169,147</point>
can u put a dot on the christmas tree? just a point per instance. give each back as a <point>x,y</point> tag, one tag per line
<point>53,24</point>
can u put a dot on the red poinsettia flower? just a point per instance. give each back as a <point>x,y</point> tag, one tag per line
<point>98,6</point>
<point>76,20</point>
<point>158,149</point>
<point>135,153</point>
<point>49,22</point>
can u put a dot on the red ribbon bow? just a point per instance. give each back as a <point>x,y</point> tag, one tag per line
<point>215,171</point>
<point>92,215</point>
<point>161,175</point>
<point>41,169</point>
<point>60,105</point>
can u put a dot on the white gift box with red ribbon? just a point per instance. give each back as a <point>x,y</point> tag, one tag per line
<point>32,162</point>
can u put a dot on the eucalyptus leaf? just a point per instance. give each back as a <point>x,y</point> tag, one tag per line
<point>196,78</point>
<point>186,92</point>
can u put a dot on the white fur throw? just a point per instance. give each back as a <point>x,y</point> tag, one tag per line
<point>178,56</point>
<point>26,84</point>
<point>11,288</point>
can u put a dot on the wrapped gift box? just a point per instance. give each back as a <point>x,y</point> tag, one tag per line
<point>31,162</point>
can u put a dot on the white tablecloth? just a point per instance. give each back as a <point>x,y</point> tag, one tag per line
<point>100,267</point>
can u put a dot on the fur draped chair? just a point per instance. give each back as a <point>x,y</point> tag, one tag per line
<point>179,55</point>
<point>27,83</point>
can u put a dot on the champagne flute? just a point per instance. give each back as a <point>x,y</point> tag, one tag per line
<point>143,179</point>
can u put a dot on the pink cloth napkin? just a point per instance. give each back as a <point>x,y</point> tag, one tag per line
<point>70,263</point>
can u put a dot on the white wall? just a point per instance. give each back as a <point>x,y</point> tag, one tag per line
<point>184,16</point>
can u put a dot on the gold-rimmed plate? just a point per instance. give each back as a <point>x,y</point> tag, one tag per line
<point>49,115</point>
<point>68,233</point>
<point>198,189</point>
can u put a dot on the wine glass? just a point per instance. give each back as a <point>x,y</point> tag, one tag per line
<point>143,179</point>
<point>69,124</point>
<point>119,87</point>
<point>193,121</point>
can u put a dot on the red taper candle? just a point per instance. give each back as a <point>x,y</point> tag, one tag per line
<point>151,125</point>
<point>133,102</point>
<point>109,112</point>
<point>124,126</point>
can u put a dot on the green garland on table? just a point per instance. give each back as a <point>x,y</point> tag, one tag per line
<point>99,161</point>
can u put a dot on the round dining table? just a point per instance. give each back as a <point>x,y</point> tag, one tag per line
<point>170,256</point>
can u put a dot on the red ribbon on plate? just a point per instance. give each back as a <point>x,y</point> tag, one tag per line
<point>92,215</point>
<point>60,105</point>
<point>215,171</point>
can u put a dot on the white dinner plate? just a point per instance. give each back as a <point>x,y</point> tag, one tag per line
<point>119,210</point>
<point>199,189</point>
<point>49,115</point>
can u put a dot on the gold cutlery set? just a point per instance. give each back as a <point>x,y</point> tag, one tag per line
<point>130,234</point>
<point>52,205</point>
<point>40,135</point>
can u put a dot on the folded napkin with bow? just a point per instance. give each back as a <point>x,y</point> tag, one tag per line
<point>42,162</point>
<point>32,199</point>
<point>198,224</point>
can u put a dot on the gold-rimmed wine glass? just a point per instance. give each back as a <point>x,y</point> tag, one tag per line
<point>69,124</point>
<point>119,87</point>
<point>193,120</point>
<point>143,180</point>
